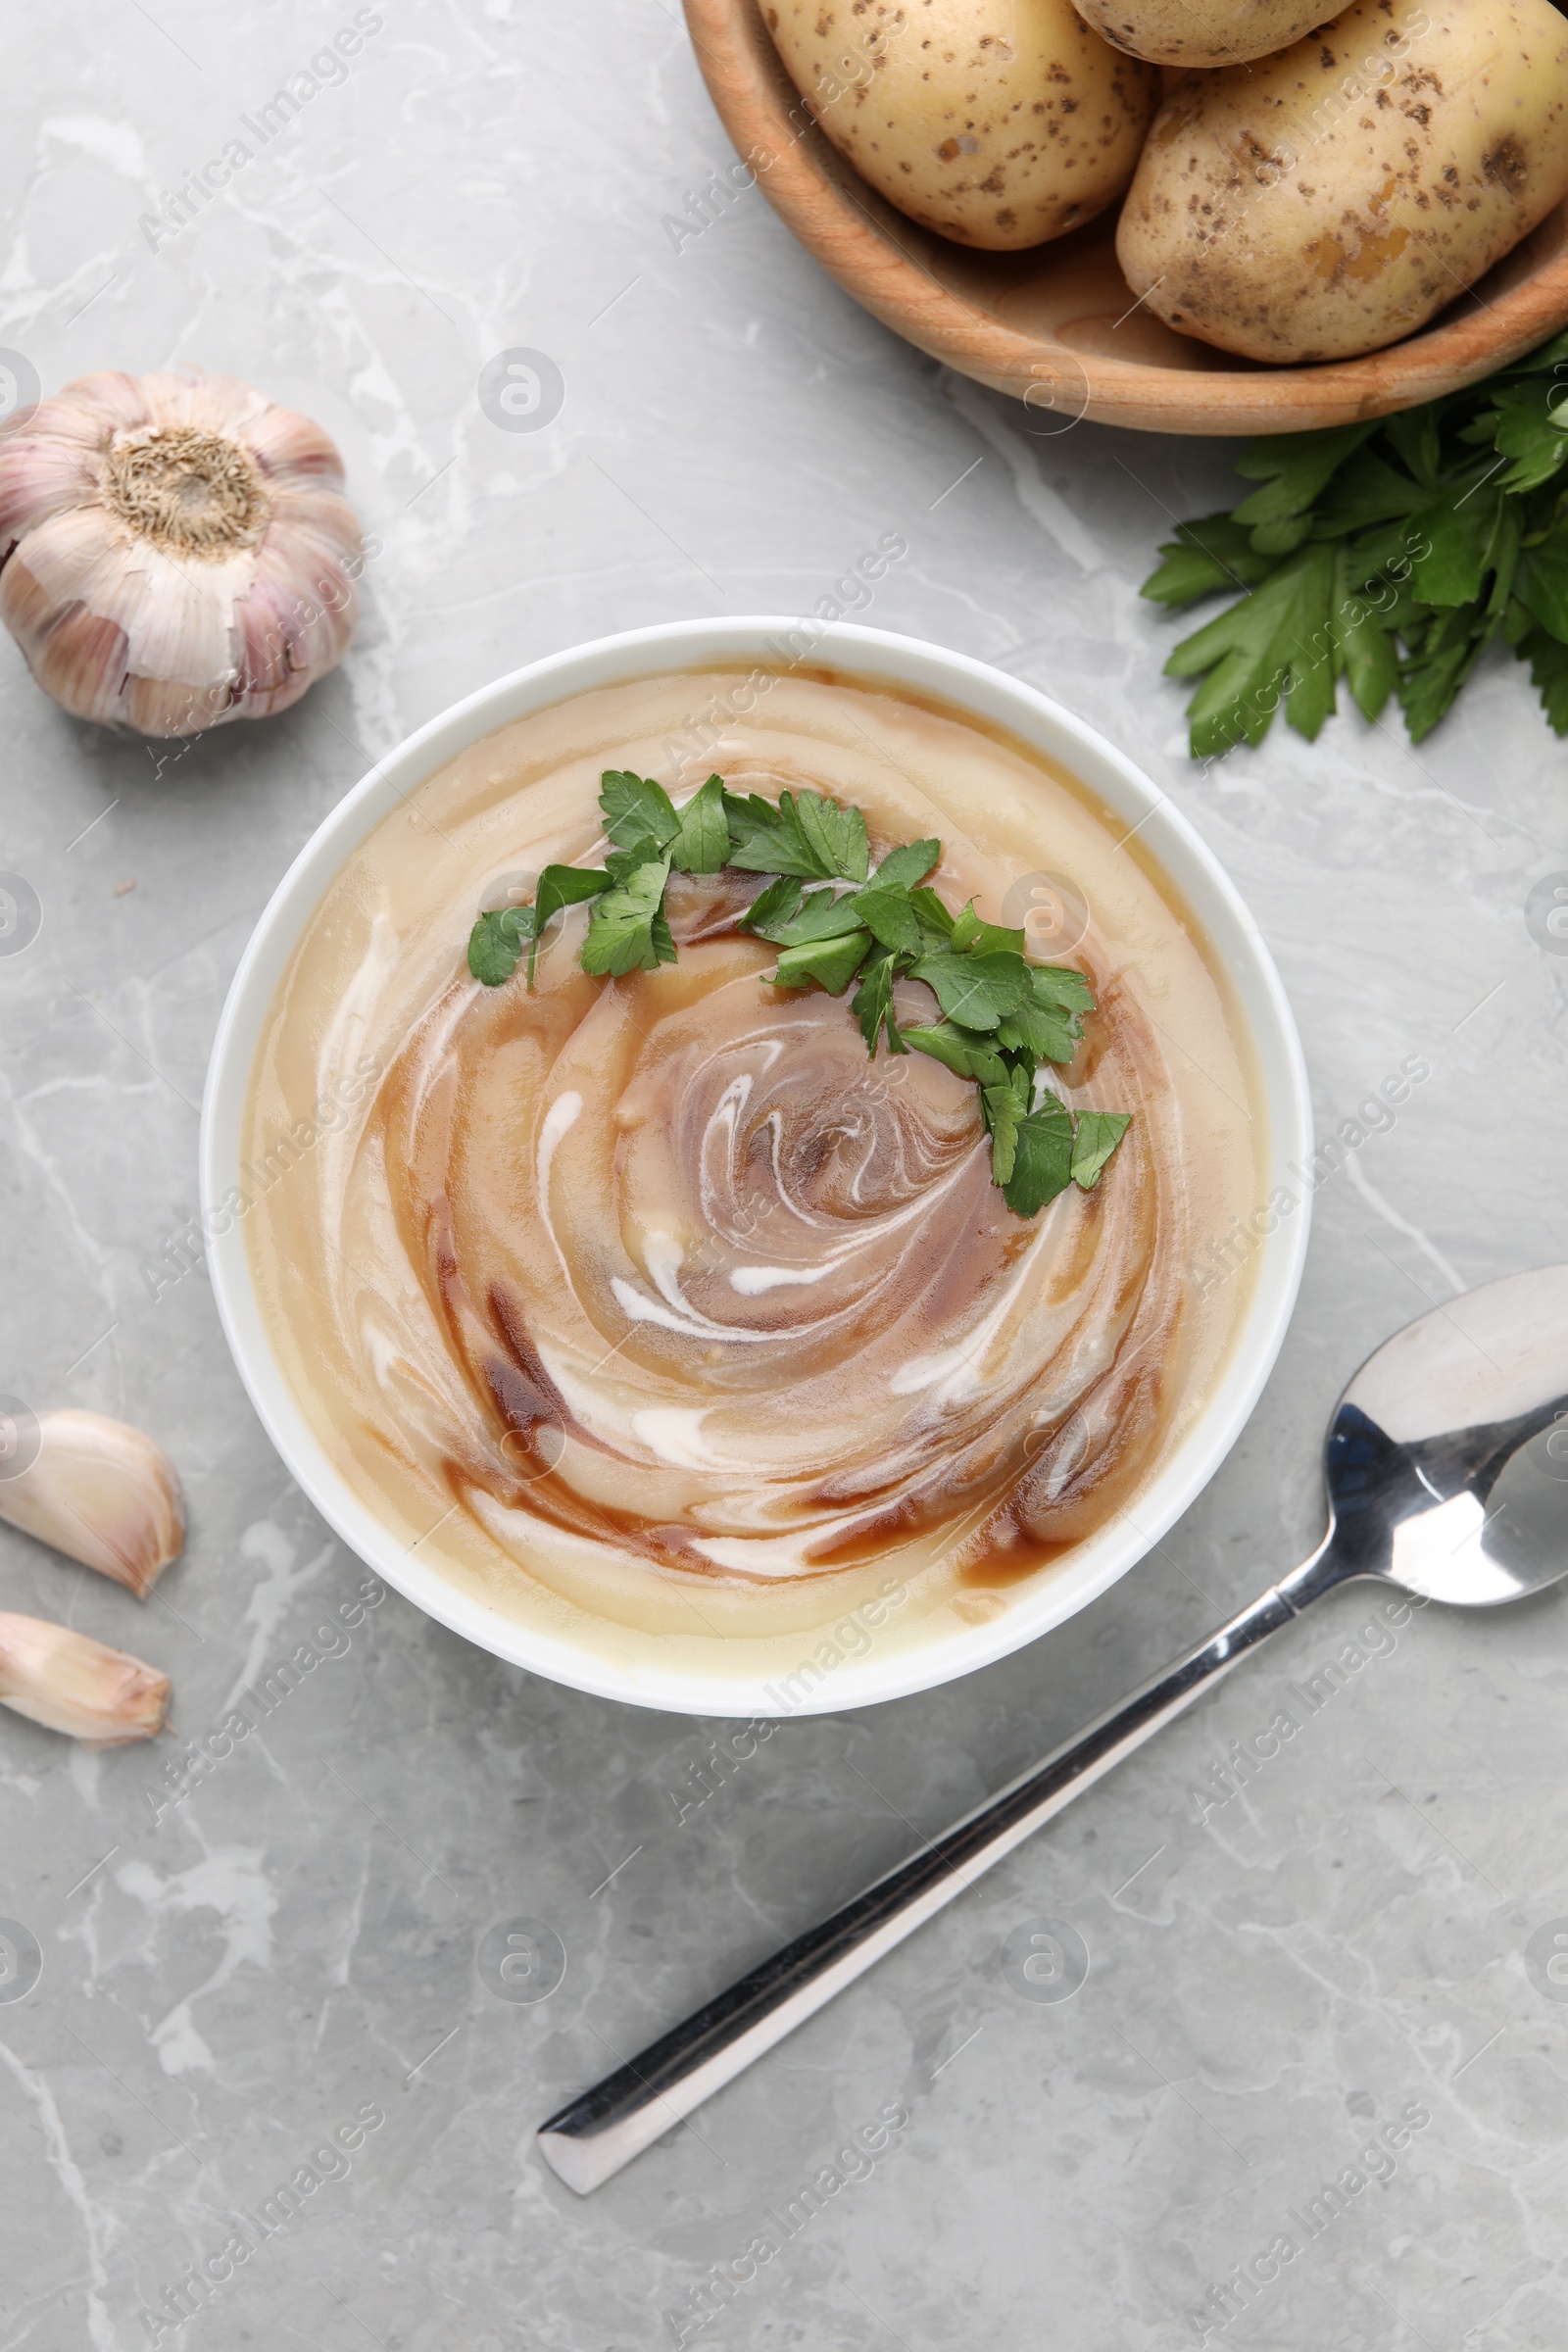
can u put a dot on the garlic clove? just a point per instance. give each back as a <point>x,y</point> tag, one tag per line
<point>274,658</point>
<point>32,611</point>
<point>74,654</point>
<point>294,448</point>
<point>167,507</point>
<point>80,661</point>
<point>316,525</point>
<point>302,574</point>
<point>165,708</point>
<point>64,550</point>
<point>181,634</point>
<point>206,402</point>
<point>72,1684</point>
<point>43,478</point>
<point>103,1494</point>
<point>106,393</point>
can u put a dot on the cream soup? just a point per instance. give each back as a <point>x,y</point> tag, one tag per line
<point>654,1311</point>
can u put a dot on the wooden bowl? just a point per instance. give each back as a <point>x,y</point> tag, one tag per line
<point>1057,327</point>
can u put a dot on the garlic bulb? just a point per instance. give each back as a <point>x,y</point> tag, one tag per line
<point>72,1684</point>
<point>175,549</point>
<point>103,1494</point>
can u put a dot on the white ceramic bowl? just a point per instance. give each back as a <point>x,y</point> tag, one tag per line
<point>972,686</point>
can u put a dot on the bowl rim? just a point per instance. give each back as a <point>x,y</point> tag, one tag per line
<point>880,658</point>
<point>845,234</point>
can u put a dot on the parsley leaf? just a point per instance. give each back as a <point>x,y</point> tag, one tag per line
<point>1535,437</point>
<point>639,813</point>
<point>837,835</point>
<point>1059,984</point>
<point>779,903</point>
<point>872,1001</point>
<point>1005,1108</point>
<point>762,840</point>
<point>888,913</point>
<point>933,917</point>
<point>973,936</point>
<point>621,865</point>
<point>1205,558</point>
<point>1547,658</point>
<point>975,991</point>
<point>1278,632</point>
<point>1099,1134</point>
<point>1042,1162</point>
<point>1363,647</point>
<point>904,867</point>
<point>1542,585</point>
<point>1040,1030</point>
<point>496,942</point>
<point>831,962</point>
<point>1294,468</point>
<point>702,846</point>
<point>965,1056</point>
<point>819,916</point>
<point>801,834</point>
<point>1450,568</point>
<point>628,932</point>
<point>561,886</point>
<point>1445,648</point>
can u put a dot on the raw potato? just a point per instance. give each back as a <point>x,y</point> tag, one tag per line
<point>996,122</point>
<point>1202,33</point>
<point>1335,197</point>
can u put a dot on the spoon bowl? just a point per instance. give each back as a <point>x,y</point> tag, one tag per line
<point>1446,1461</point>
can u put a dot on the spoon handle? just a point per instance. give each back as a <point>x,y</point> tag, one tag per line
<point>592,2138</point>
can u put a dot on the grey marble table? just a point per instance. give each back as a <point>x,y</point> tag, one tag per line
<point>1278,1972</point>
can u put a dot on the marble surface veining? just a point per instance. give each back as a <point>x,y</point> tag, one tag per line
<point>315,1931</point>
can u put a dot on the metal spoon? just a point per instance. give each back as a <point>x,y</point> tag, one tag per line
<point>1447,1466</point>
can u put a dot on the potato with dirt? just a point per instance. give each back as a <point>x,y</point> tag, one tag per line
<point>997,122</point>
<point>1201,33</point>
<point>1330,200</point>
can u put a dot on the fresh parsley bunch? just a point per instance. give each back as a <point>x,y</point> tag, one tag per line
<point>1389,553</point>
<point>833,920</point>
